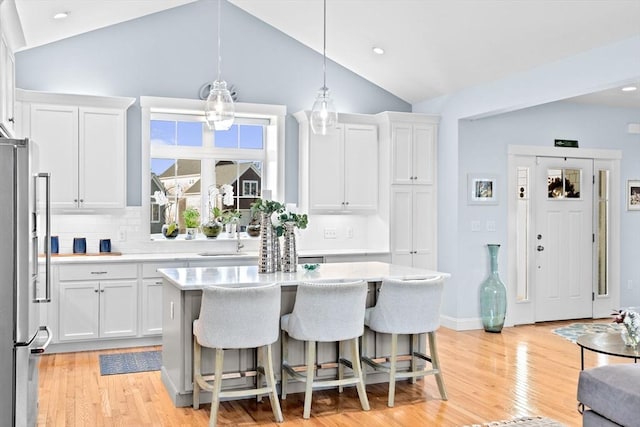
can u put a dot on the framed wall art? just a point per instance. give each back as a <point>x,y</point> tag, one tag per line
<point>482,189</point>
<point>633,195</point>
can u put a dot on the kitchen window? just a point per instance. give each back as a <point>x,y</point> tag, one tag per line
<point>189,163</point>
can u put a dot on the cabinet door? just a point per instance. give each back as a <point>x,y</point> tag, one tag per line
<point>102,165</point>
<point>78,311</point>
<point>424,136</point>
<point>7,90</point>
<point>401,153</point>
<point>326,171</point>
<point>54,129</point>
<point>361,167</point>
<point>424,227</point>
<point>401,225</point>
<point>118,308</point>
<point>151,306</point>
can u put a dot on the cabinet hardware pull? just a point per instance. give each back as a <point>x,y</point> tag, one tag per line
<point>101,290</point>
<point>95,290</point>
<point>98,272</point>
<point>159,282</point>
<point>11,119</point>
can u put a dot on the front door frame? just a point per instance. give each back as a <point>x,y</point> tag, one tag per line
<point>520,258</point>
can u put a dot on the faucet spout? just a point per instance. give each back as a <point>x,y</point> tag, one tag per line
<point>239,244</point>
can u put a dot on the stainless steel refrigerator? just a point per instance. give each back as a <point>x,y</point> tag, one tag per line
<point>24,286</point>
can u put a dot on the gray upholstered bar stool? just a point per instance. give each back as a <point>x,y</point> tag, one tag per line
<point>236,318</point>
<point>407,307</point>
<point>325,312</point>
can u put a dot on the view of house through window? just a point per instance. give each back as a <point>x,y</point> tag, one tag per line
<point>194,167</point>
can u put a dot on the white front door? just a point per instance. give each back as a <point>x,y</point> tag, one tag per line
<point>563,241</point>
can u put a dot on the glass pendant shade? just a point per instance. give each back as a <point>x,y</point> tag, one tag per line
<point>219,110</point>
<point>323,114</point>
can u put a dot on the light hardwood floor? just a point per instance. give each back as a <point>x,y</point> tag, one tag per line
<point>525,370</point>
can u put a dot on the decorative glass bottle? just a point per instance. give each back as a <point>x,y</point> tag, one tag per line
<point>267,257</point>
<point>493,296</point>
<point>289,254</point>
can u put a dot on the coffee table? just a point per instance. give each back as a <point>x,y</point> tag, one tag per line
<point>605,343</point>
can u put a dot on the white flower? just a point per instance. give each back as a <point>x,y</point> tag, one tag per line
<point>160,198</point>
<point>213,192</point>
<point>227,191</point>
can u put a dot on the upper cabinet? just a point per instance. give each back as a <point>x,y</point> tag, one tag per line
<point>412,148</point>
<point>339,171</point>
<point>82,143</point>
<point>11,38</point>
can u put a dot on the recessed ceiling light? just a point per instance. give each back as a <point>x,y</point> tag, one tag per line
<point>629,88</point>
<point>378,50</point>
<point>61,15</point>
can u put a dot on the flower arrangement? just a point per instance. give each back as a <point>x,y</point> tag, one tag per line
<point>265,206</point>
<point>278,219</point>
<point>631,321</point>
<point>170,227</point>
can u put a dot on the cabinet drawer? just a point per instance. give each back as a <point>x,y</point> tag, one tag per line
<point>150,270</point>
<point>98,271</point>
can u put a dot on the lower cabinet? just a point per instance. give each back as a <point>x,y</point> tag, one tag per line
<point>151,297</point>
<point>103,309</point>
<point>97,301</point>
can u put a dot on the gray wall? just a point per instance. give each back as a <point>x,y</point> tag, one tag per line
<point>483,148</point>
<point>173,53</point>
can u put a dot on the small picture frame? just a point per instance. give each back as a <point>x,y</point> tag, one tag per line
<point>633,195</point>
<point>482,189</point>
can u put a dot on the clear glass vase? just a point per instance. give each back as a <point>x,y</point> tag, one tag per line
<point>493,296</point>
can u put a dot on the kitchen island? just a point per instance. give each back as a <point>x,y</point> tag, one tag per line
<point>182,292</point>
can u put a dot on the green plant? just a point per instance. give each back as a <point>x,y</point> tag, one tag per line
<point>265,206</point>
<point>191,217</point>
<point>300,220</point>
<point>230,216</point>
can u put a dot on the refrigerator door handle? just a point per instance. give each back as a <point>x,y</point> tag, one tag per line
<point>43,347</point>
<point>47,242</point>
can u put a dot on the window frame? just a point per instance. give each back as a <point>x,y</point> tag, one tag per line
<point>174,108</point>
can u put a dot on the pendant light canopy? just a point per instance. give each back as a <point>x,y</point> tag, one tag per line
<point>219,109</point>
<point>323,114</point>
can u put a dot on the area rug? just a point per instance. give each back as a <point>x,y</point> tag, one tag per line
<point>574,330</point>
<point>522,422</point>
<point>127,363</point>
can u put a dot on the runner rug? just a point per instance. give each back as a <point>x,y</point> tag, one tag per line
<point>573,331</point>
<point>127,363</point>
<point>522,422</point>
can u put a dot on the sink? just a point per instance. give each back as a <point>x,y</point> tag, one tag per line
<point>221,253</point>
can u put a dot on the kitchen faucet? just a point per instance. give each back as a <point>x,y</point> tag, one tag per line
<point>239,244</point>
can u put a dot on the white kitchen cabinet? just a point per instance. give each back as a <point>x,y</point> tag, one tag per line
<point>82,143</point>
<point>151,304</point>
<point>412,148</point>
<point>97,301</point>
<point>339,171</point>
<point>7,88</point>
<point>414,226</point>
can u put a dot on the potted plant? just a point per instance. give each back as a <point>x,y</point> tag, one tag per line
<point>191,218</point>
<point>230,217</point>
<point>212,228</point>
<point>170,227</point>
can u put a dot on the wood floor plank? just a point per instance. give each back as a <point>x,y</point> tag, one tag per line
<point>525,370</point>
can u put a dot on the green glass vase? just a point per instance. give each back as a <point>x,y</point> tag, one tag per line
<point>493,296</point>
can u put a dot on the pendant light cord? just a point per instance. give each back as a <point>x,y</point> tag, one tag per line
<point>324,49</point>
<point>219,44</point>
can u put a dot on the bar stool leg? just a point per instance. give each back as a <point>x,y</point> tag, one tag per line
<point>217,385</point>
<point>435,363</point>
<point>392,370</point>
<point>197,357</point>
<point>357,371</point>
<point>260,371</point>
<point>284,376</point>
<point>340,366</point>
<point>415,339</point>
<point>271,383</point>
<point>364,352</point>
<point>308,391</point>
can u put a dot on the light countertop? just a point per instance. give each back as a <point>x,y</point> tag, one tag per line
<point>196,278</point>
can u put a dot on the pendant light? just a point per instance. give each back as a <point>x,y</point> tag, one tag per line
<point>219,109</point>
<point>323,114</point>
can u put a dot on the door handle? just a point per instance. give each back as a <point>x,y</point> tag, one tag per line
<point>540,248</point>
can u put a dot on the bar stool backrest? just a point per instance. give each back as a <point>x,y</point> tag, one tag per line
<point>407,306</point>
<point>245,317</point>
<point>328,311</point>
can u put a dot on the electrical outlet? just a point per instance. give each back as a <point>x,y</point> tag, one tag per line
<point>491,226</point>
<point>122,235</point>
<point>475,225</point>
<point>330,233</point>
<point>349,232</point>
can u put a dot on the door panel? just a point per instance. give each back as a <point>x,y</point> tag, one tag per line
<point>564,211</point>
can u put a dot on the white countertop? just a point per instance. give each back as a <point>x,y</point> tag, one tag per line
<point>196,278</point>
<point>190,256</point>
